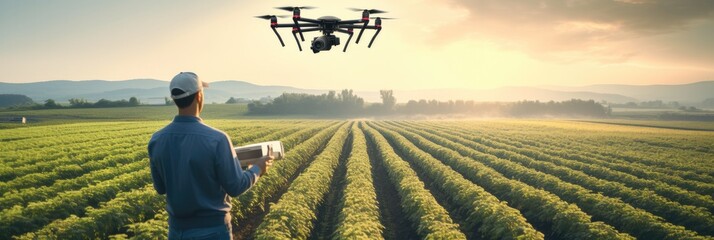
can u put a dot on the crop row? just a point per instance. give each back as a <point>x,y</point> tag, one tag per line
<point>594,149</point>
<point>255,199</point>
<point>30,138</point>
<point>18,219</point>
<point>430,219</point>
<point>595,170</point>
<point>358,211</point>
<point>71,168</point>
<point>33,175</point>
<point>294,214</point>
<point>626,148</point>
<point>34,194</point>
<point>27,154</point>
<point>561,219</point>
<point>111,213</point>
<point>638,170</point>
<point>242,137</point>
<point>671,157</point>
<point>119,146</point>
<point>25,158</point>
<point>626,218</point>
<point>694,218</point>
<point>485,216</point>
<point>70,146</point>
<point>98,223</point>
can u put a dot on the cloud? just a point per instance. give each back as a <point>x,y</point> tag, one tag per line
<point>571,30</point>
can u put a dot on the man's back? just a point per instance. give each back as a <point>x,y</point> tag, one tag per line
<point>195,165</point>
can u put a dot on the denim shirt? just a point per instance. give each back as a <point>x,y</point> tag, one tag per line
<point>196,167</point>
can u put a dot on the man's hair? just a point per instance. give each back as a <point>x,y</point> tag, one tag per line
<point>184,101</point>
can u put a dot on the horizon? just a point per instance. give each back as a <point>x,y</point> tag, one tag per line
<point>368,90</point>
<point>472,44</point>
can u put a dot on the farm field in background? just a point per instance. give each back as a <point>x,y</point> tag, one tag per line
<point>485,179</point>
<point>139,113</point>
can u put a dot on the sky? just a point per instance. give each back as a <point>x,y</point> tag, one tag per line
<point>434,44</point>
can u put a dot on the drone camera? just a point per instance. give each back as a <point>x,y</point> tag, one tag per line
<point>324,43</point>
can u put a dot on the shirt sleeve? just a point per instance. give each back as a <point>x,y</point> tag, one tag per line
<point>155,174</point>
<point>231,177</point>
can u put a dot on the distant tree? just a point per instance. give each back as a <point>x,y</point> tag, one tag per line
<point>133,101</point>
<point>388,99</point>
<point>168,101</point>
<point>574,107</point>
<point>257,107</point>
<point>77,102</point>
<point>344,103</point>
<point>103,103</point>
<point>689,109</point>
<point>231,101</point>
<point>50,103</point>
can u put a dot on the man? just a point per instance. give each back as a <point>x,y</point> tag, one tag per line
<point>196,167</point>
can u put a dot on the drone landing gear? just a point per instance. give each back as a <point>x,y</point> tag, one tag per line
<point>348,41</point>
<point>373,37</point>
<point>296,39</point>
<point>279,38</point>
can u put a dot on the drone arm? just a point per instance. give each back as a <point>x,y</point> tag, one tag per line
<point>296,39</point>
<point>356,26</point>
<point>277,34</point>
<point>345,31</point>
<point>309,20</point>
<point>312,29</point>
<point>373,37</point>
<point>293,25</point>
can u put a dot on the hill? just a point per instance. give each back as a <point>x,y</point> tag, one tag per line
<point>10,100</point>
<point>147,90</point>
<point>687,93</point>
<point>154,91</point>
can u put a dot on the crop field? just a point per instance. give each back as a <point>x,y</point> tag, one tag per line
<point>498,179</point>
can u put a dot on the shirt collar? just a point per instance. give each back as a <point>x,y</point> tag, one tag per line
<point>182,118</point>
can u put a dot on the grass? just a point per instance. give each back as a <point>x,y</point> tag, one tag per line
<point>141,113</point>
<point>680,125</point>
<point>240,111</point>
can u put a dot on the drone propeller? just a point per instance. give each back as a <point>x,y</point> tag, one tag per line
<point>293,8</point>
<point>365,19</point>
<point>268,17</point>
<point>371,11</point>
<point>296,16</point>
<point>383,18</point>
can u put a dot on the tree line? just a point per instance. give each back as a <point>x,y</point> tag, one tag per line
<point>346,103</point>
<point>79,103</point>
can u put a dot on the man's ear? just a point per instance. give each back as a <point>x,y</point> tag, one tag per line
<point>199,101</point>
<point>199,96</point>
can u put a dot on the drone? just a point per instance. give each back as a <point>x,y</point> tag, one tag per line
<point>327,25</point>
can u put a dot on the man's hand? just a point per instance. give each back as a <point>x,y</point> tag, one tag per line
<point>266,162</point>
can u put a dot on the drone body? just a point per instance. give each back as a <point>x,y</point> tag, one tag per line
<point>328,25</point>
